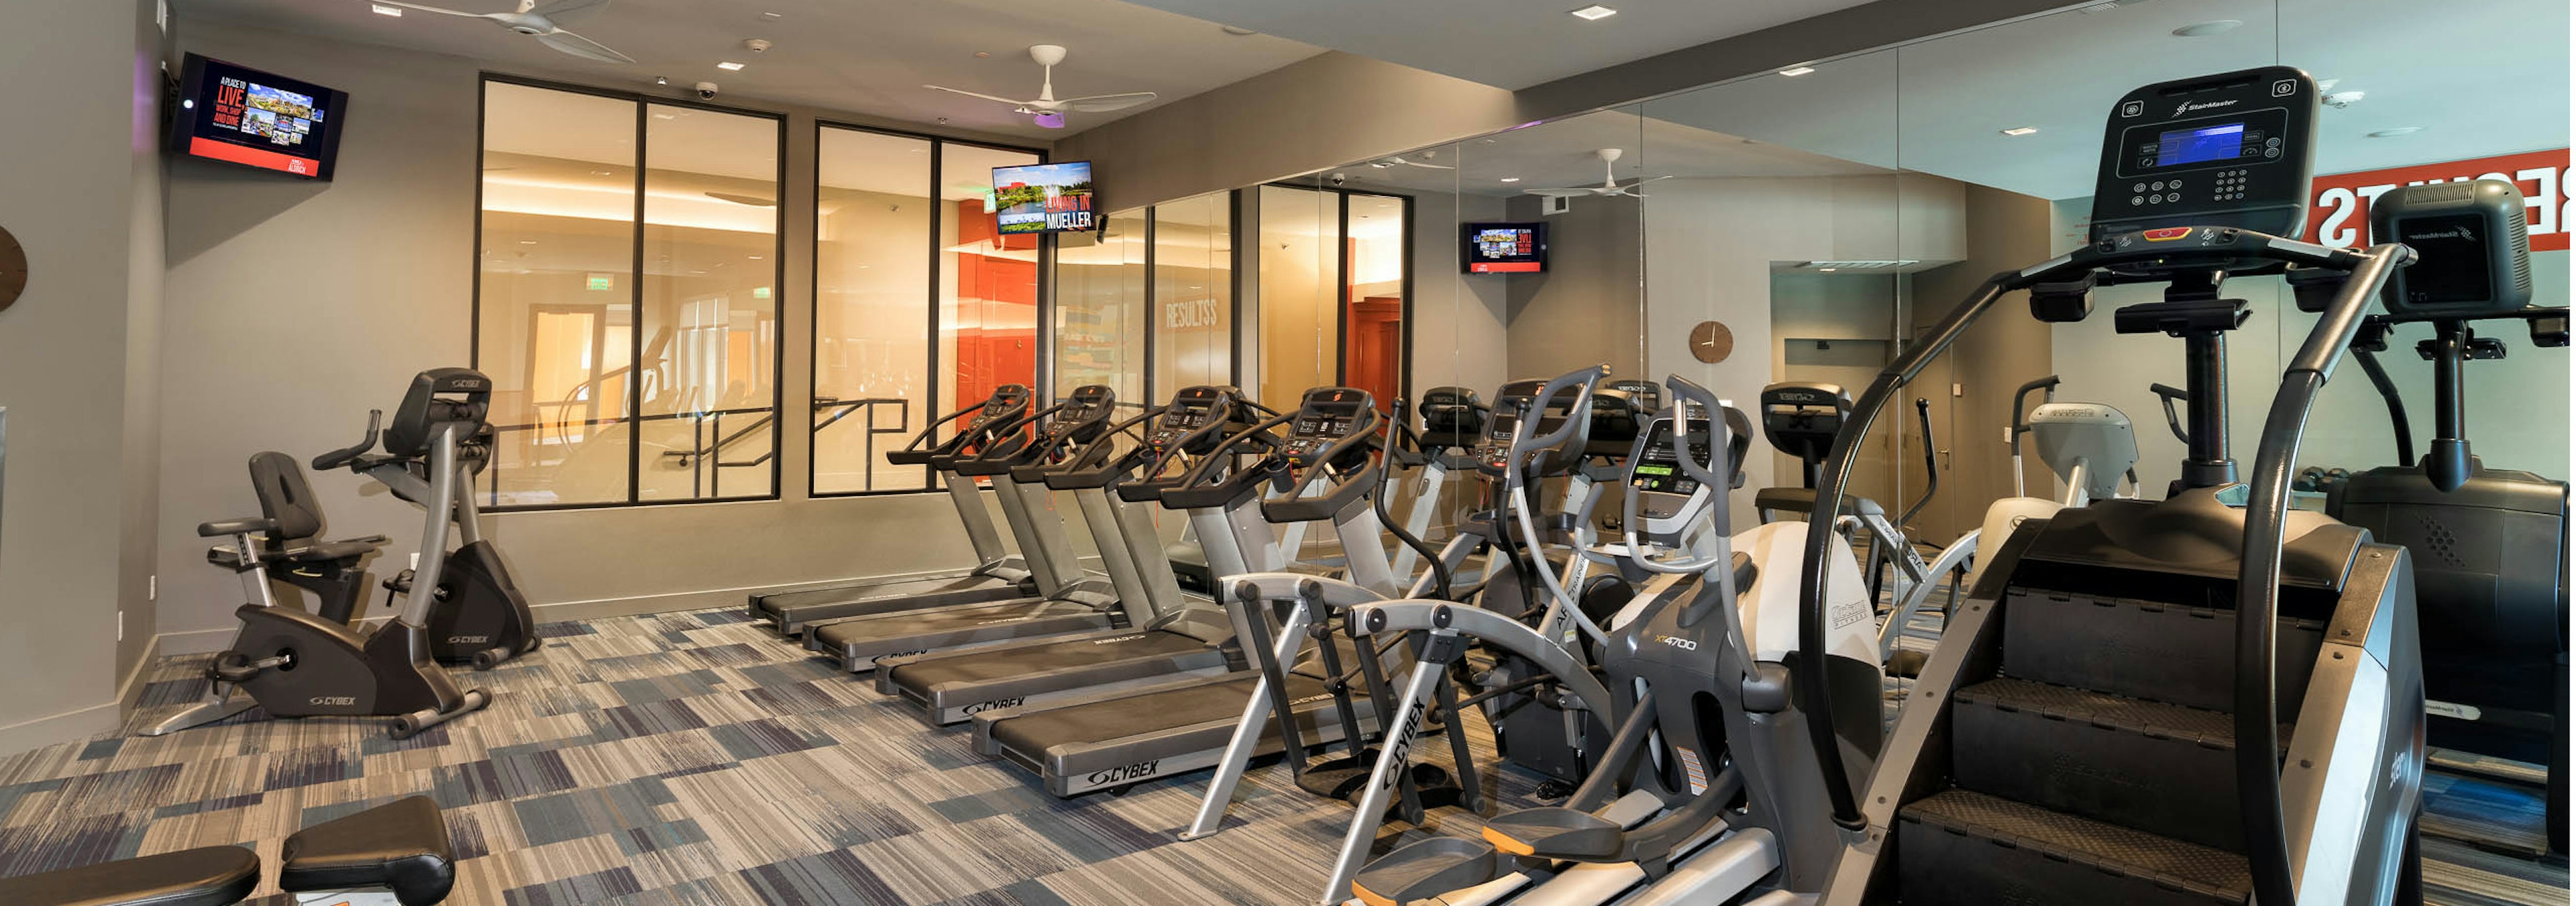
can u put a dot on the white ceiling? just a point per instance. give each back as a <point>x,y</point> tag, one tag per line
<point>1505,43</point>
<point>2466,75</point>
<point>863,57</point>
<point>1560,154</point>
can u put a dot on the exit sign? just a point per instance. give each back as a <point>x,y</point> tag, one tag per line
<point>600,283</point>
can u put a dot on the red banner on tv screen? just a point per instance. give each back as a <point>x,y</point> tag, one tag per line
<point>1504,267</point>
<point>256,157</point>
<point>2339,205</point>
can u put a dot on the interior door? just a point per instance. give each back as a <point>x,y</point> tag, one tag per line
<point>1374,348</point>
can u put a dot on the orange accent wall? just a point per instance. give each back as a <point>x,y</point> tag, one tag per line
<point>988,291</point>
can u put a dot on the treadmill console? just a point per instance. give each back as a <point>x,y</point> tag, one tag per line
<point>1193,408</point>
<point>1082,418</point>
<point>1451,417</point>
<point>1325,418</point>
<point>1008,402</point>
<point>1512,403</point>
<point>2220,151</point>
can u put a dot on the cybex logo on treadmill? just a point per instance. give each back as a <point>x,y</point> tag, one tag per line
<point>882,658</point>
<point>2189,106</point>
<point>1123,638</point>
<point>1137,771</point>
<point>1679,642</point>
<point>338,700</point>
<point>981,707</point>
<point>2456,232</point>
<point>468,639</point>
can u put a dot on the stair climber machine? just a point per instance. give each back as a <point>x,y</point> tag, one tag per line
<point>1802,419</point>
<point>1706,792</point>
<point>1326,447</point>
<point>478,615</point>
<point>293,663</point>
<point>2490,545</point>
<point>998,575</point>
<point>1082,422</point>
<point>1115,739</point>
<point>2204,699</point>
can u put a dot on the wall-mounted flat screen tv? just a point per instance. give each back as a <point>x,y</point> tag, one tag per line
<point>1044,198</point>
<point>252,118</point>
<point>1504,248</point>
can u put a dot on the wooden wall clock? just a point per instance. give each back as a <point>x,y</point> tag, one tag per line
<point>13,269</point>
<point>1711,342</point>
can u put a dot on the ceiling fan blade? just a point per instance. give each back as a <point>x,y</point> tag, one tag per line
<point>559,9</point>
<point>1561,193</point>
<point>582,47</point>
<point>737,198</point>
<point>1103,103</point>
<point>975,95</point>
<point>443,12</point>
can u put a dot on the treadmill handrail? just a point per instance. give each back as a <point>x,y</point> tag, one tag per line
<point>2134,249</point>
<point>2258,576</point>
<point>1091,466</point>
<point>930,431</point>
<point>1224,449</point>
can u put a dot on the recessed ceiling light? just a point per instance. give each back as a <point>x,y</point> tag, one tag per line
<point>666,116</point>
<point>2021,130</point>
<point>2393,133</point>
<point>1825,270</point>
<point>383,10</point>
<point>755,257</point>
<point>983,55</point>
<point>1595,13</point>
<point>1796,71</point>
<point>1511,179</point>
<point>2099,8</point>
<point>1237,30</point>
<point>2205,29</point>
<point>729,66</point>
<point>773,15</point>
<point>527,242</point>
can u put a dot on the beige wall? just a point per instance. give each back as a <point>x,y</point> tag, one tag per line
<point>2007,348</point>
<point>77,353</point>
<point>385,289</point>
<point>1586,308</point>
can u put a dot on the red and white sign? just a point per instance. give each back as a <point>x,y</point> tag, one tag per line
<point>2339,205</point>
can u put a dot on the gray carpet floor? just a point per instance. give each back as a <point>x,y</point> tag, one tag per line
<point>695,758</point>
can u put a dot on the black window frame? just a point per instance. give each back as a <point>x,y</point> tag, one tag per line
<point>633,415</point>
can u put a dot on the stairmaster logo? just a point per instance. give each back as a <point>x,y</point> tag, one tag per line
<point>2460,233</point>
<point>2190,106</point>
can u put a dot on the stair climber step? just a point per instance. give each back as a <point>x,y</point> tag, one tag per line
<point>2160,768</point>
<point>2173,653</point>
<point>1970,849</point>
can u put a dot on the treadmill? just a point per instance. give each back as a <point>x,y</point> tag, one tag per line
<point>1328,444</point>
<point>998,575</point>
<point>1111,739</point>
<point>1123,530</point>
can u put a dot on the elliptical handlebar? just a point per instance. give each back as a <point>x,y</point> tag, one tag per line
<point>348,456</point>
<point>1720,438</point>
<point>2021,408</point>
<point>1577,417</point>
<point>1931,463</point>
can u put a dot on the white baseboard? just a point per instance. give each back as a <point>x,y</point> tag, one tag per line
<point>59,728</point>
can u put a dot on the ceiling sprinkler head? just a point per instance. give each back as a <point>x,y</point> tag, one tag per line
<point>1050,120</point>
<point>756,45</point>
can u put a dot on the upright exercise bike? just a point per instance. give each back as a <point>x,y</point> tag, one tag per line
<point>296,664</point>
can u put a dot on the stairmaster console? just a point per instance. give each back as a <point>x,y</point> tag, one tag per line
<point>2228,150</point>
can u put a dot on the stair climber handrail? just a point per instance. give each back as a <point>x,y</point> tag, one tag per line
<point>2146,257</point>
<point>2258,578</point>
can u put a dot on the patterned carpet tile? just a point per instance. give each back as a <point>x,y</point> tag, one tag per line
<point>695,759</point>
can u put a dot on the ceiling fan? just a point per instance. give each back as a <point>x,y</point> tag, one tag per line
<point>538,22</point>
<point>1610,184</point>
<point>1046,109</point>
<point>1401,161</point>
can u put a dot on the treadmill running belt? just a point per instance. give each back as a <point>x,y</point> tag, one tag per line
<point>1042,658</point>
<point>1038,731</point>
<point>931,620</point>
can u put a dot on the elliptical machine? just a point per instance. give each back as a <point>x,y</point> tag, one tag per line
<point>296,664</point>
<point>478,615</point>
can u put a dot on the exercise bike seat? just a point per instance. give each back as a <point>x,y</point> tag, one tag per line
<point>1426,869</point>
<point>207,876</point>
<point>401,846</point>
<point>1557,833</point>
<point>329,551</point>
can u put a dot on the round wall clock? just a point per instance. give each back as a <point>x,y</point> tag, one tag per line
<point>13,269</point>
<point>1711,342</point>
